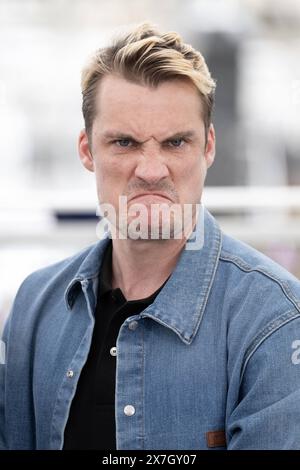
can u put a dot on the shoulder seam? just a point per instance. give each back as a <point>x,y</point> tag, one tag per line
<point>240,263</point>
<point>268,330</point>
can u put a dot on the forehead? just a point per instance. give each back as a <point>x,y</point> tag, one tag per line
<point>173,105</point>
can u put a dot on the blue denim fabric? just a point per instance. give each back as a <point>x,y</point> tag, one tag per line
<point>219,349</point>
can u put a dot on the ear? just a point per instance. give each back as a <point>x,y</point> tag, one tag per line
<point>210,148</point>
<point>84,151</point>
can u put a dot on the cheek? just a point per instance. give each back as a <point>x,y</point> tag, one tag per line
<point>112,168</point>
<point>193,170</point>
<point>103,180</point>
<point>191,179</point>
<point>111,180</point>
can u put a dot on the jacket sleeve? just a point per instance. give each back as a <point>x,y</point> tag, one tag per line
<point>267,412</point>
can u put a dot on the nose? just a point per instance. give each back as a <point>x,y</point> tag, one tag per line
<point>151,166</point>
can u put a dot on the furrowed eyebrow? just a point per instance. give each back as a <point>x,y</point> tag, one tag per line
<point>181,135</point>
<point>119,135</point>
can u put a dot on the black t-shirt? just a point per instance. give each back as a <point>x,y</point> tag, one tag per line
<point>91,423</point>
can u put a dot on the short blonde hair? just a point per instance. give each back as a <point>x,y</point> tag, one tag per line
<point>148,57</point>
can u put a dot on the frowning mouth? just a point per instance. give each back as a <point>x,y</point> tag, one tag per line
<point>154,195</point>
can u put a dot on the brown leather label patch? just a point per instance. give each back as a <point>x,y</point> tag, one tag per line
<point>216,439</point>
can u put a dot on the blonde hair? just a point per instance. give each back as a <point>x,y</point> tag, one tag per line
<point>149,57</point>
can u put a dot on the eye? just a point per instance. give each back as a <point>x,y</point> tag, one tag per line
<point>123,142</point>
<point>177,142</point>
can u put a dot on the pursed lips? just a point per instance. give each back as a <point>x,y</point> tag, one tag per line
<point>164,196</point>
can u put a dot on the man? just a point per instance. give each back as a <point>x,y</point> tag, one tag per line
<point>147,342</point>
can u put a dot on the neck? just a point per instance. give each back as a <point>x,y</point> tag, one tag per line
<point>140,267</point>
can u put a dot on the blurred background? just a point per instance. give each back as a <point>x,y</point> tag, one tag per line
<point>47,199</point>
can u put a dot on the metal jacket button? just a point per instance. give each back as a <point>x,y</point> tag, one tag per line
<point>129,410</point>
<point>133,325</point>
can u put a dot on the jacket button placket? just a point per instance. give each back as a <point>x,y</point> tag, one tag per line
<point>129,386</point>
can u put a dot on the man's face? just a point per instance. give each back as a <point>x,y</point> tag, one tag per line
<point>148,144</point>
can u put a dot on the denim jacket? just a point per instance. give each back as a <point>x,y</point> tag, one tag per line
<point>217,355</point>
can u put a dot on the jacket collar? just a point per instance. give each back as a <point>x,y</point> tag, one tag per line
<point>181,303</point>
<point>88,271</point>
